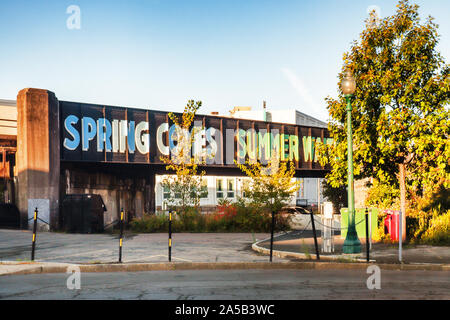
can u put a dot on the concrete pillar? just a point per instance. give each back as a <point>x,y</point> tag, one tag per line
<point>38,155</point>
<point>150,196</point>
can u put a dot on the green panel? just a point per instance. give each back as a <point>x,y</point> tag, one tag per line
<point>359,216</point>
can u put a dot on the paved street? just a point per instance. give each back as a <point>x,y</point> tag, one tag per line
<point>231,284</point>
<point>15,245</point>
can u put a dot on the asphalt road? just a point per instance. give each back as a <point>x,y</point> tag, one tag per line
<point>231,284</point>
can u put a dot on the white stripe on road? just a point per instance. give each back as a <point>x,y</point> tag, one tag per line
<point>157,255</point>
<point>75,254</point>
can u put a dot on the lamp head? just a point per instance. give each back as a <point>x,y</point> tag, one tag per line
<point>348,84</point>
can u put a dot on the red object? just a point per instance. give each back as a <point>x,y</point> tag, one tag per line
<point>391,223</point>
<point>226,212</point>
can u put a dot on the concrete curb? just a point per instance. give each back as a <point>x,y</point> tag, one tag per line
<point>137,267</point>
<point>297,255</point>
<point>352,260</point>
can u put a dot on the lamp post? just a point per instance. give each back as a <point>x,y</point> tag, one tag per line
<point>272,226</point>
<point>351,243</point>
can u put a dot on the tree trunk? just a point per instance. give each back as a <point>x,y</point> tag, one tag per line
<point>402,183</point>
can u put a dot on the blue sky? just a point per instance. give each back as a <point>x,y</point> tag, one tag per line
<point>158,54</point>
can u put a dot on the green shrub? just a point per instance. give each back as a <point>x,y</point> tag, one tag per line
<point>236,217</point>
<point>379,235</point>
<point>250,218</point>
<point>190,220</point>
<point>439,200</point>
<point>382,196</point>
<point>430,227</point>
<point>438,231</point>
<point>426,218</point>
<point>417,223</point>
<point>150,223</point>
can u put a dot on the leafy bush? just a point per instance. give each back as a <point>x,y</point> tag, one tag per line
<point>438,231</point>
<point>439,200</point>
<point>237,217</point>
<point>338,196</point>
<point>255,218</point>
<point>417,223</point>
<point>380,235</point>
<point>190,220</point>
<point>422,228</point>
<point>150,223</point>
<point>426,218</point>
<point>383,196</point>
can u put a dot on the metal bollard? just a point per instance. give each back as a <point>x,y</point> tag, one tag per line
<point>367,235</point>
<point>170,235</point>
<point>33,244</point>
<point>315,236</point>
<point>271,235</point>
<point>400,236</point>
<point>121,235</point>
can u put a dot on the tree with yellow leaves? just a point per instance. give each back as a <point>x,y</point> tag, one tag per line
<point>185,187</point>
<point>272,186</point>
<point>400,109</point>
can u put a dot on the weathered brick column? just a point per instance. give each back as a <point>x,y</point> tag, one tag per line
<point>38,155</point>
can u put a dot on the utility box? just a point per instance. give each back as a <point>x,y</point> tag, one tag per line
<point>360,221</point>
<point>328,210</point>
<point>83,213</point>
<point>391,224</point>
<point>327,228</point>
<point>9,216</point>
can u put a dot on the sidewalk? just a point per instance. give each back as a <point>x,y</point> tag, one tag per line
<point>15,245</point>
<point>303,245</point>
<point>192,251</point>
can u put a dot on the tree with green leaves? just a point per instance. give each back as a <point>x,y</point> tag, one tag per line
<point>400,110</point>
<point>337,196</point>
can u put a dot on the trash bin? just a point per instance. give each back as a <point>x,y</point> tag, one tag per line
<point>9,216</point>
<point>83,213</point>
<point>360,221</point>
<point>391,223</point>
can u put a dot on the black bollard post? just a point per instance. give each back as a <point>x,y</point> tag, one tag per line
<point>121,235</point>
<point>271,235</point>
<point>315,236</point>
<point>33,244</point>
<point>367,235</point>
<point>170,235</point>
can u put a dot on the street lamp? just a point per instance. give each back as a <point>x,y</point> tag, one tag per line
<point>351,243</point>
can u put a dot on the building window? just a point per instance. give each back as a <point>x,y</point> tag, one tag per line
<point>166,192</point>
<point>204,189</point>
<point>230,188</point>
<point>219,189</point>
<point>244,184</point>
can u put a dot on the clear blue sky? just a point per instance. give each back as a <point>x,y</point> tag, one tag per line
<point>159,53</point>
